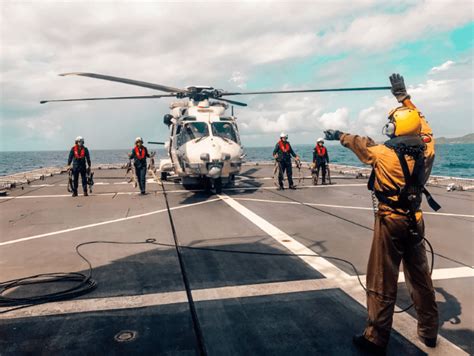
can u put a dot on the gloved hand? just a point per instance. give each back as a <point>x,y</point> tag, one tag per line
<point>399,90</point>
<point>332,135</point>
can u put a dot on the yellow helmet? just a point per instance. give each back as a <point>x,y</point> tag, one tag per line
<point>403,121</point>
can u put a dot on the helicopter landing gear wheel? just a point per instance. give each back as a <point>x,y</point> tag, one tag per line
<point>231,183</point>
<point>164,176</point>
<point>207,184</point>
<point>217,185</point>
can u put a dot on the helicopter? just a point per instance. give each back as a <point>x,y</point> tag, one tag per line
<point>204,146</point>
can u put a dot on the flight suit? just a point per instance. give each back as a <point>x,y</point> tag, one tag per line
<point>393,243</point>
<point>320,162</point>
<point>79,167</point>
<point>284,153</point>
<point>140,165</point>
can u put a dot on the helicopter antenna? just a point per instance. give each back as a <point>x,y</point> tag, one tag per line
<point>232,110</point>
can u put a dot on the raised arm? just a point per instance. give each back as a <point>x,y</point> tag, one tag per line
<point>358,144</point>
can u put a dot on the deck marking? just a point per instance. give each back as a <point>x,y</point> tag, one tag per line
<point>175,191</point>
<point>104,223</point>
<point>206,294</point>
<point>343,206</point>
<point>446,273</point>
<point>438,274</point>
<point>299,187</point>
<point>324,267</point>
<point>404,323</point>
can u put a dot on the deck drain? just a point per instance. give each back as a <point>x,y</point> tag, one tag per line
<point>126,336</point>
<point>286,240</point>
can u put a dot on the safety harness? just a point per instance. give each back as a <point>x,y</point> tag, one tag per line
<point>410,196</point>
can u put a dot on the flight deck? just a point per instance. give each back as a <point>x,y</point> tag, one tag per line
<point>251,262</point>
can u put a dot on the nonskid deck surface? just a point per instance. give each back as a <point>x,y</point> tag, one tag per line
<point>247,304</point>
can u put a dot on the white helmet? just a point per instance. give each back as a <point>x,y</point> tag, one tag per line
<point>80,139</point>
<point>320,140</point>
<point>139,139</point>
<point>283,134</point>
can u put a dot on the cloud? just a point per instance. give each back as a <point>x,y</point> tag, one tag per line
<point>179,44</point>
<point>445,99</point>
<point>239,79</point>
<point>382,31</point>
<point>445,66</point>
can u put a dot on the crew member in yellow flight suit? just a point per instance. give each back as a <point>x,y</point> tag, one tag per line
<point>401,167</point>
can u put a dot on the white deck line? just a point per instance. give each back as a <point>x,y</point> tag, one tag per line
<point>172,191</point>
<point>324,267</point>
<point>342,206</point>
<point>219,293</point>
<point>438,274</point>
<point>34,237</point>
<point>405,324</point>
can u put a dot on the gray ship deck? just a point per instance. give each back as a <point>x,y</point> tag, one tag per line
<point>247,304</point>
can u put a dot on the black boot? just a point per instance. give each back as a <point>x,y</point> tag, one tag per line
<point>292,187</point>
<point>428,341</point>
<point>280,188</point>
<point>85,193</point>
<point>74,193</point>
<point>362,343</point>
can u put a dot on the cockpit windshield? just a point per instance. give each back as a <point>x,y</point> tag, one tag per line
<point>225,130</point>
<point>193,130</point>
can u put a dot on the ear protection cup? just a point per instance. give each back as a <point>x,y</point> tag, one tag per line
<point>389,129</point>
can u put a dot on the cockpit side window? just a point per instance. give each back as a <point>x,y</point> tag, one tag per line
<point>225,130</point>
<point>191,131</point>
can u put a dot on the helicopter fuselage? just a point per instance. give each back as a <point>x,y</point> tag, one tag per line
<point>204,143</point>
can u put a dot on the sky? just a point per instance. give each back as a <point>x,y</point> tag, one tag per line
<point>240,45</point>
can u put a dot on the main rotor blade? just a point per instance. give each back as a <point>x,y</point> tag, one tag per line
<point>155,143</point>
<point>232,102</point>
<point>307,91</point>
<point>111,98</point>
<point>128,81</point>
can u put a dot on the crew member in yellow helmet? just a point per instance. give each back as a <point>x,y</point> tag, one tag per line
<point>401,167</point>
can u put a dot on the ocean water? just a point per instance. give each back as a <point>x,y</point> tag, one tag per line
<point>455,160</point>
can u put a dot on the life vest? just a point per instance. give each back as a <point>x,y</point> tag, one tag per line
<point>79,153</point>
<point>140,155</point>
<point>320,151</point>
<point>409,197</point>
<point>284,146</point>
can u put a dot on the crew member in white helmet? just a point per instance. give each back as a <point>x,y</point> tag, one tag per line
<point>282,154</point>
<point>79,156</point>
<point>320,159</point>
<point>139,155</point>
